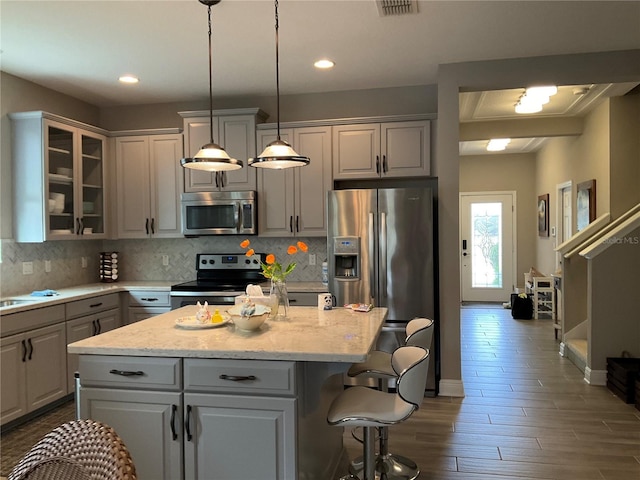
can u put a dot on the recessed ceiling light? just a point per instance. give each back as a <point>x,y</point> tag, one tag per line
<point>324,63</point>
<point>128,79</point>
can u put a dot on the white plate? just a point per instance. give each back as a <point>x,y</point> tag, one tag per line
<point>60,178</point>
<point>192,324</point>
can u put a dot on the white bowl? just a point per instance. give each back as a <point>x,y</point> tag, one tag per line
<point>252,322</point>
<point>52,205</point>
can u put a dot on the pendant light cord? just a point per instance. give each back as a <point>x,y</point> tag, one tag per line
<point>210,79</point>
<point>277,74</point>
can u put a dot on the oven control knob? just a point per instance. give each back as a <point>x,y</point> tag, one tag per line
<point>211,262</point>
<point>203,262</point>
<point>247,261</point>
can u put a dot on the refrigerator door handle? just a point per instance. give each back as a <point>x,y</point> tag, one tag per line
<point>383,253</point>
<point>372,277</point>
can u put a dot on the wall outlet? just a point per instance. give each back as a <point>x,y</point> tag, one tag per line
<point>47,266</point>
<point>165,260</point>
<point>312,259</point>
<point>27,268</point>
<point>85,261</point>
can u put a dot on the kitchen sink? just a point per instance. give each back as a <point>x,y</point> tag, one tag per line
<point>13,301</point>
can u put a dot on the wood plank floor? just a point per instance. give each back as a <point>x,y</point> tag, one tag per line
<point>527,413</point>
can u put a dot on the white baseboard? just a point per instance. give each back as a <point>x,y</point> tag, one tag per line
<point>595,377</point>
<point>451,388</point>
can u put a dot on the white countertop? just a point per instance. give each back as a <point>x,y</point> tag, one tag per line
<point>308,334</point>
<point>80,292</point>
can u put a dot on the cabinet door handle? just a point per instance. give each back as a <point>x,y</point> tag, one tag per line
<point>237,378</point>
<point>377,163</point>
<point>186,423</point>
<point>30,348</point>
<point>223,178</point>
<point>298,223</point>
<point>78,227</point>
<point>126,373</point>
<point>217,174</point>
<point>98,327</point>
<point>146,226</point>
<point>153,226</point>
<point>24,351</point>
<point>174,409</point>
<point>384,164</point>
<point>95,328</point>
<point>291,223</point>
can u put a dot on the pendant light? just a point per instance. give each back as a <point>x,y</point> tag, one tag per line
<point>211,157</point>
<point>278,154</point>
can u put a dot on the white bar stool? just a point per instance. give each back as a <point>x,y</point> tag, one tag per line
<point>368,408</point>
<point>419,332</point>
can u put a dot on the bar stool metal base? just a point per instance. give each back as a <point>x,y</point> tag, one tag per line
<point>388,467</point>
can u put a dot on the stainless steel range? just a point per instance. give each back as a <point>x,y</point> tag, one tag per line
<point>219,279</point>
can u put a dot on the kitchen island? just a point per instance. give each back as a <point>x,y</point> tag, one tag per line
<point>223,403</point>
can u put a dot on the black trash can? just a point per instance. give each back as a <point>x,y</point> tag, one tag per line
<point>521,308</point>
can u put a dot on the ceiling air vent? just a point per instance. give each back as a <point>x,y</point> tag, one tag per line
<point>396,7</point>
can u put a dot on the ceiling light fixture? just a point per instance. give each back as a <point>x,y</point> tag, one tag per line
<point>534,98</point>
<point>324,64</point>
<point>498,144</point>
<point>278,154</point>
<point>211,157</point>
<point>128,79</point>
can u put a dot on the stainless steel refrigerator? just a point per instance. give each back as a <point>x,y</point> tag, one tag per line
<point>380,247</point>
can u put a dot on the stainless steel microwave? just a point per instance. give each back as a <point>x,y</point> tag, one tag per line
<point>219,213</point>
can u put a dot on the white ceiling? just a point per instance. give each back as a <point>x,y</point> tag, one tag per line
<point>81,47</point>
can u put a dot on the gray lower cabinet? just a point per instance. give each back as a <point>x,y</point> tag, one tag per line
<point>229,419</point>
<point>150,424</point>
<point>33,367</point>
<point>86,318</point>
<point>143,304</point>
<point>239,437</point>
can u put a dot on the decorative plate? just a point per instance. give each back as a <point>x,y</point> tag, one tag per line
<point>191,323</point>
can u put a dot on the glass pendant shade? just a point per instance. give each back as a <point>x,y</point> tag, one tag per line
<point>211,157</point>
<point>277,155</point>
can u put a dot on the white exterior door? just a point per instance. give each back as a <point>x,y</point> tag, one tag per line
<point>487,233</point>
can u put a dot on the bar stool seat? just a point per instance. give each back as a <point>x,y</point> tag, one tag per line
<point>419,332</point>
<point>370,409</point>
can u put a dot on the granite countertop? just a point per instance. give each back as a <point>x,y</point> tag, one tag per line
<point>81,292</point>
<point>308,334</point>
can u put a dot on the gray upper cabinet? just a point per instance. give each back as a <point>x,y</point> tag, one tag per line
<point>148,186</point>
<point>59,178</point>
<point>292,201</point>
<point>235,131</point>
<point>382,150</point>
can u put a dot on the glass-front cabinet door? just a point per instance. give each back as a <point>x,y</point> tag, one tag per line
<point>59,179</point>
<point>75,173</point>
<point>91,202</point>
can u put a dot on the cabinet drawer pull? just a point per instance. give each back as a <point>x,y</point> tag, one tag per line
<point>126,373</point>
<point>237,378</point>
<point>95,305</point>
<point>187,422</point>
<point>149,299</point>
<point>174,409</point>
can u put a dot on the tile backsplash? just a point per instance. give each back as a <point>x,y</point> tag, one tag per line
<point>139,260</point>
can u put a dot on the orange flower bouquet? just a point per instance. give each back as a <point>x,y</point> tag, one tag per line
<point>270,267</point>
<point>274,271</point>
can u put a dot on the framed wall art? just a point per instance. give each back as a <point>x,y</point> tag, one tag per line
<point>586,203</point>
<point>543,215</point>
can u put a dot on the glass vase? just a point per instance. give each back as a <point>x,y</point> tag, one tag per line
<point>279,299</point>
